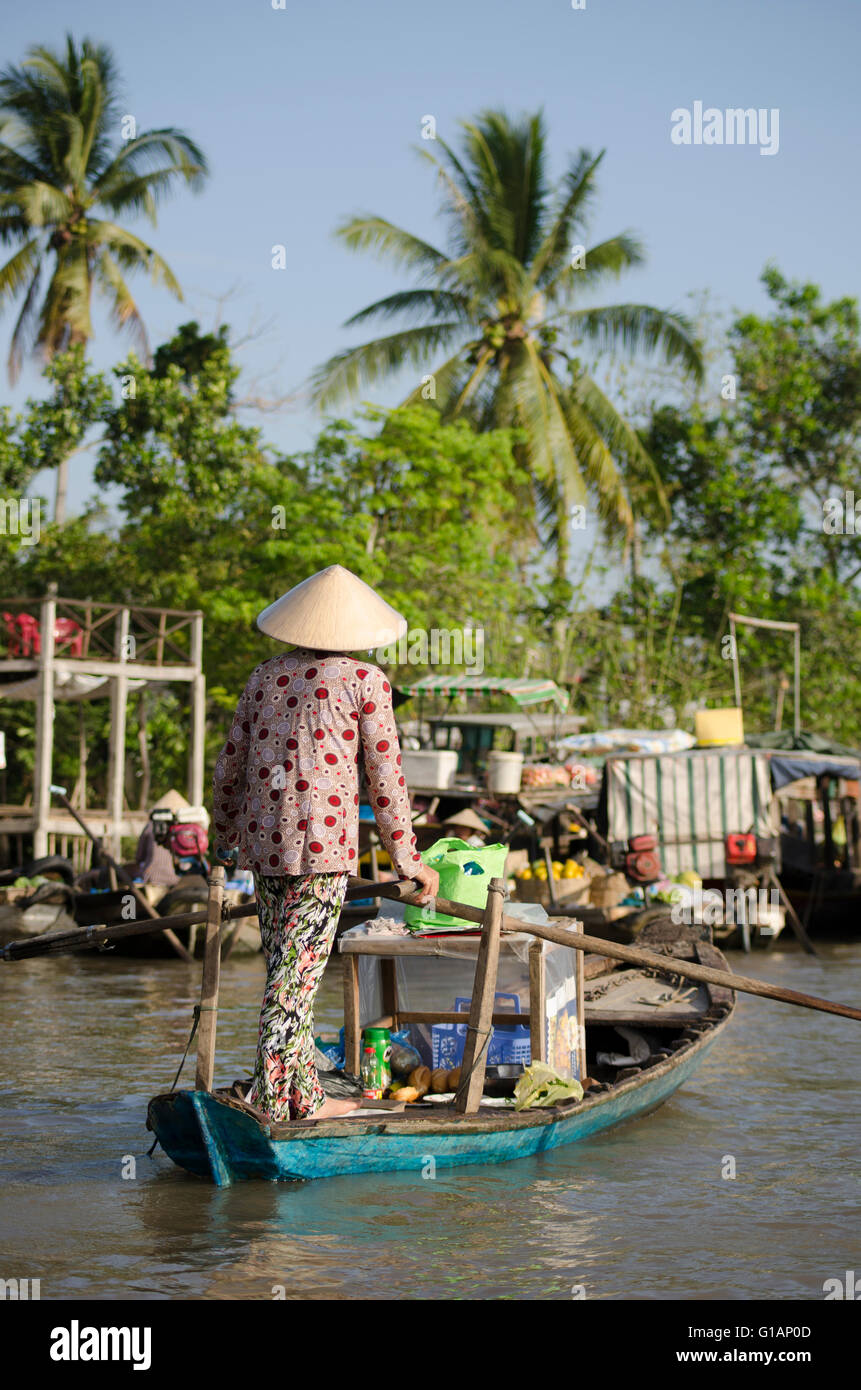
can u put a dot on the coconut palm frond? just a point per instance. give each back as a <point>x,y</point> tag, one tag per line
<point>132,253</point>
<point>39,204</point>
<point>622,440</point>
<point>124,311</point>
<point>348,372</point>
<point>640,328</point>
<point>608,258</point>
<point>369,233</point>
<point>578,190</point>
<point>18,270</point>
<point>24,332</point>
<point>422,303</point>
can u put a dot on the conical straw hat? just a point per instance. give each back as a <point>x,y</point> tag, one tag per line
<point>333,611</point>
<point>468,819</point>
<point>171,801</point>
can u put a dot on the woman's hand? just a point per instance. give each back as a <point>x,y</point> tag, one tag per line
<point>429,880</point>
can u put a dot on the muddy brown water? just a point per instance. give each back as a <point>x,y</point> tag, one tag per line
<point>645,1211</point>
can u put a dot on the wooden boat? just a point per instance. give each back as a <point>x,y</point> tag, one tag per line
<point>215,1134</point>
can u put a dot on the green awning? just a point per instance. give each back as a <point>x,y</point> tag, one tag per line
<point>524,692</point>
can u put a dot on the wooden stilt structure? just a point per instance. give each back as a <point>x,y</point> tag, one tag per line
<point>119,643</point>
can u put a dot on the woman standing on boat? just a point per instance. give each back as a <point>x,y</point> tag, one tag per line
<point>286,805</point>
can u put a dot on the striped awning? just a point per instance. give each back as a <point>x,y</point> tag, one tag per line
<point>524,692</point>
<point>691,801</point>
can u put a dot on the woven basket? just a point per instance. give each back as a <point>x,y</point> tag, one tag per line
<point>535,890</point>
<point>608,890</point>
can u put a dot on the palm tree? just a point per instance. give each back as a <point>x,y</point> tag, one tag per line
<point>500,307</point>
<point>65,172</point>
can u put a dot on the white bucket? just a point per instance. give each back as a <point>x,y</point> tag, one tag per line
<point>430,768</point>
<point>504,771</point>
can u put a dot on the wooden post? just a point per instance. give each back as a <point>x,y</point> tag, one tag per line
<point>537,1002</point>
<point>580,967</point>
<point>44,727</point>
<point>198,714</point>
<point>551,885</point>
<point>474,1063</point>
<point>117,751</point>
<point>209,987</point>
<point>352,1028</point>
<point>389,984</point>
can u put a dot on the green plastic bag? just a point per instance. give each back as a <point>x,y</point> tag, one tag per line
<point>464,872</point>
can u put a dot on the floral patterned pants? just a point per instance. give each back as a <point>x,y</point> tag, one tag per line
<point>298,915</point>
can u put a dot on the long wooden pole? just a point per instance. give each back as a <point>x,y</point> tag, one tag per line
<point>92,937</point>
<point>650,960</point>
<point>209,986</point>
<point>69,939</point>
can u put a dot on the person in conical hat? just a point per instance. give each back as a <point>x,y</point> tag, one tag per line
<point>286,806</point>
<point>171,801</point>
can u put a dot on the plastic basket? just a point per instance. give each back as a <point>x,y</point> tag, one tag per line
<point>507,1046</point>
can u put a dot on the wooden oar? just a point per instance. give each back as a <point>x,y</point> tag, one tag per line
<point>90,937</point>
<point>649,960</point>
<point>68,939</point>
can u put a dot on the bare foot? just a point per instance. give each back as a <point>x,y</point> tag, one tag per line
<point>331,1108</point>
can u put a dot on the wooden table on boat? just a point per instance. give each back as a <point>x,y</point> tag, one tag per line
<point>388,948</point>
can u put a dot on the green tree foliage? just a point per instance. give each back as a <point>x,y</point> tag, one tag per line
<point>211,519</point>
<point>431,512</point>
<point>501,308</point>
<point>746,487</point>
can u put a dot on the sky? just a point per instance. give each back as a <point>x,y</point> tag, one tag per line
<point>311,112</point>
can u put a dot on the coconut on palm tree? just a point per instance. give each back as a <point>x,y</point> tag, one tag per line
<point>69,165</point>
<point>497,321</point>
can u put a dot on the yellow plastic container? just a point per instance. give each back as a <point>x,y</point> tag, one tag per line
<point>714,727</point>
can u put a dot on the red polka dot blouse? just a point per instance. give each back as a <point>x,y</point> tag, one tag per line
<point>286,787</point>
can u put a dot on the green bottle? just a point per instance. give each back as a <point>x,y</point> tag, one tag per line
<point>376,1063</point>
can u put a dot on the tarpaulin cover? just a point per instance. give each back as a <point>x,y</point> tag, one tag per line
<point>601,741</point>
<point>803,742</point>
<point>788,769</point>
<point>691,801</point>
<point>524,692</point>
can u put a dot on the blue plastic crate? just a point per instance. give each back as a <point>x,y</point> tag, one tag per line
<point>507,1046</point>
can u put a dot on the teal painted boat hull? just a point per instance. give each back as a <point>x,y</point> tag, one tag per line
<point>218,1137</point>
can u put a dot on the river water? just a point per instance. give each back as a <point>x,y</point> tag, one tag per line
<point>642,1212</point>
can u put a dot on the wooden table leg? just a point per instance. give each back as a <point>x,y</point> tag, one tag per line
<point>352,1030</point>
<point>537,1002</point>
<point>389,983</point>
